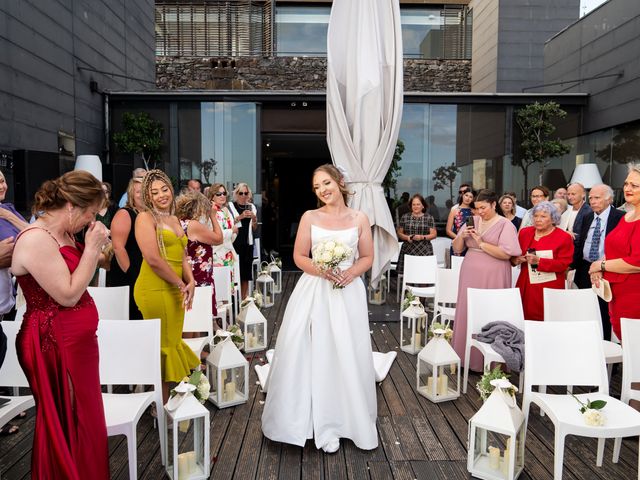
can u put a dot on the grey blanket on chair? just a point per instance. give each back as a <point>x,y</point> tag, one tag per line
<point>507,340</point>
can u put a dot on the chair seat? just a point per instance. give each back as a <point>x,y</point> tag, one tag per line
<point>612,351</point>
<point>422,291</point>
<point>196,344</point>
<point>621,420</point>
<point>16,405</point>
<point>123,409</point>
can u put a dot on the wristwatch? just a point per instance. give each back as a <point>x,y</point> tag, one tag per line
<point>602,266</point>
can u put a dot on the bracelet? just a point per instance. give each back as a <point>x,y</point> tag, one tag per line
<point>602,266</point>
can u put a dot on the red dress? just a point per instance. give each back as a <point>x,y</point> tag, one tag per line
<point>58,351</point>
<point>561,244</point>
<point>623,242</point>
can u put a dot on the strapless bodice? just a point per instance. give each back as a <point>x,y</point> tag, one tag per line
<point>347,236</point>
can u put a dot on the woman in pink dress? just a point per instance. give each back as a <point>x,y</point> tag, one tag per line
<point>490,245</point>
<point>57,344</point>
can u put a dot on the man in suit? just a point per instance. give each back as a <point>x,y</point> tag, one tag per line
<point>590,242</point>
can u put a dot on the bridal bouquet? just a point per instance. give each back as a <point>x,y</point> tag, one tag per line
<point>327,255</point>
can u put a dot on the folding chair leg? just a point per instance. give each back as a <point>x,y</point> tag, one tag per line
<point>617,443</point>
<point>600,452</point>
<point>558,455</point>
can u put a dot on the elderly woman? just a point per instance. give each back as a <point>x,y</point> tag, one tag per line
<point>416,231</point>
<point>621,262</point>
<point>539,194</point>
<point>548,252</point>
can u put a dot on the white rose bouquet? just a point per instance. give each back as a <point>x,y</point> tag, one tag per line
<point>327,255</point>
<point>200,386</point>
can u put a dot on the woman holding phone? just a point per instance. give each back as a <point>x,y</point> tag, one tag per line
<point>416,231</point>
<point>245,215</point>
<point>491,240</point>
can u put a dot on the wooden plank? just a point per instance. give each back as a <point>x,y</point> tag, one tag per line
<point>335,466</point>
<point>379,471</point>
<point>428,471</point>
<point>290,462</point>
<point>312,462</point>
<point>390,440</point>
<point>250,452</point>
<point>269,460</point>
<point>402,471</point>
<point>428,439</point>
<point>408,438</point>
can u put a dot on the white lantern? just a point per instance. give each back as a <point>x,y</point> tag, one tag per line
<point>188,458</point>
<point>253,325</point>
<point>228,374</point>
<point>438,372</point>
<point>266,286</point>
<point>276,273</point>
<point>378,295</point>
<point>413,322</point>
<point>496,436</point>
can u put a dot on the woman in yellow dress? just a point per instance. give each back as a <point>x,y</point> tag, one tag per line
<point>165,285</point>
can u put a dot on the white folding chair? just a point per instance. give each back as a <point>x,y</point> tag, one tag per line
<point>456,262</point>
<point>440,246</point>
<point>446,295</point>
<point>224,297</point>
<point>419,269</point>
<point>112,302</point>
<point>199,319</point>
<point>11,375</point>
<point>630,368</point>
<point>579,305</point>
<point>130,354</point>
<point>486,306</point>
<point>565,353</point>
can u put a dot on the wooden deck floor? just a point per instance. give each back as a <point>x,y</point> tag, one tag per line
<point>418,439</point>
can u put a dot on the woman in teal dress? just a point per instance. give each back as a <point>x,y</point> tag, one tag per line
<point>165,285</point>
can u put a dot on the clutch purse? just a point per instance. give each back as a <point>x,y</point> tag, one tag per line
<point>604,290</point>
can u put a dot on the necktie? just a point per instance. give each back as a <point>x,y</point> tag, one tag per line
<point>595,242</point>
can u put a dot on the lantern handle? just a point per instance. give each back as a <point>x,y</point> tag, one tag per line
<point>504,385</point>
<point>264,267</point>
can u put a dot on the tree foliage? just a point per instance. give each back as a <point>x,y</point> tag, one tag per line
<point>140,135</point>
<point>444,177</point>
<point>391,178</point>
<point>536,127</point>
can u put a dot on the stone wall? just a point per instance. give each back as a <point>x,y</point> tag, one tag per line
<point>296,74</point>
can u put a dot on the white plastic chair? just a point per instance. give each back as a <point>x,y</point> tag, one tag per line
<point>571,353</point>
<point>579,305</point>
<point>130,354</point>
<point>515,273</point>
<point>199,319</point>
<point>446,295</point>
<point>440,246</point>
<point>630,368</point>
<point>102,277</point>
<point>257,258</point>
<point>112,302</point>
<point>419,269</point>
<point>224,297</point>
<point>456,262</point>
<point>11,375</point>
<point>486,306</point>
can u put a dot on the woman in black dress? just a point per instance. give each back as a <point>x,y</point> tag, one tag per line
<point>416,231</point>
<point>245,215</point>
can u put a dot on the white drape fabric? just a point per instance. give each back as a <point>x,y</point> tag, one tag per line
<point>364,108</point>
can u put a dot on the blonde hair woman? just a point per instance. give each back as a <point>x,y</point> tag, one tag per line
<point>246,219</point>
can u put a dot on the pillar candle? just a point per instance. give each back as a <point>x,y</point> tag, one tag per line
<point>230,390</point>
<point>417,342</point>
<point>453,368</point>
<point>494,458</point>
<point>183,466</point>
<point>506,459</point>
<point>443,385</point>
<point>430,384</point>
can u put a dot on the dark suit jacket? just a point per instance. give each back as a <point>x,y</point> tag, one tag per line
<point>578,261</point>
<point>584,212</point>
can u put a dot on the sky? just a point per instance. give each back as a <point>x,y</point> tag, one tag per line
<point>587,5</point>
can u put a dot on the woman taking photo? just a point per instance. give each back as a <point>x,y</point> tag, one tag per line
<point>321,382</point>
<point>416,231</point>
<point>125,267</point>
<point>223,254</point>
<point>547,253</point>
<point>490,244</point>
<point>508,207</point>
<point>459,214</point>
<point>57,344</point>
<point>165,286</point>
<point>245,217</point>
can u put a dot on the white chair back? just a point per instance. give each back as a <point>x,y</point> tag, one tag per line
<point>222,281</point>
<point>130,353</point>
<point>456,262</point>
<point>11,373</point>
<point>102,277</point>
<point>515,273</point>
<point>440,246</point>
<point>630,356</point>
<point>564,353</point>
<point>493,305</point>
<point>419,269</point>
<point>112,302</point>
<point>572,306</point>
<point>446,286</point>
<point>200,317</point>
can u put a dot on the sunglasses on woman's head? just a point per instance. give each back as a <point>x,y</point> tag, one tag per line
<point>243,193</point>
<point>220,194</point>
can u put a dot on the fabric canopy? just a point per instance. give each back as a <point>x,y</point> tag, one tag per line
<point>364,108</point>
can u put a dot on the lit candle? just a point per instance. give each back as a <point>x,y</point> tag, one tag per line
<point>186,464</point>
<point>443,385</point>
<point>230,390</point>
<point>251,340</point>
<point>494,458</point>
<point>417,342</point>
<point>430,385</point>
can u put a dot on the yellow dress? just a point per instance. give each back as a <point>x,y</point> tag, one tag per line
<point>157,298</point>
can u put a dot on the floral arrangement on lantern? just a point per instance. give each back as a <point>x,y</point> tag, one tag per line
<point>444,327</point>
<point>406,301</point>
<point>487,383</point>
<point>196,383</point>
<point>327,255</point>
<point>590,411</point>
<point>256,297</point>
<point>234,331</point>
<point>277,261</point>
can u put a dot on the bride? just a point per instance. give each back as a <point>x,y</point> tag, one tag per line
<point>322,383</point>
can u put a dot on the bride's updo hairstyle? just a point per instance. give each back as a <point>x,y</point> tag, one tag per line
<point>79,188</point>
<point>337,176</point>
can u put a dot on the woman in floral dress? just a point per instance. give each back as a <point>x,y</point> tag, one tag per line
<point>224,254</point>
<point>459,214</point>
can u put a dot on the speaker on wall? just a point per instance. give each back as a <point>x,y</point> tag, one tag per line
<point>30,169</point>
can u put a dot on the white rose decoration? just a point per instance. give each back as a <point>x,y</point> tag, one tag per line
<point>339,251</point>
<point>330,245</point>
<point>593,418</point>
<point>326,257</point>
<point>203,389</point>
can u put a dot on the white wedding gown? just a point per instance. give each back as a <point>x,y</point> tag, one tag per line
<point>322,383</point>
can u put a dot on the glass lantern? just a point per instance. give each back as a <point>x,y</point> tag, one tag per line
<point>228,375</point>
<point>266,286</point>
<point>496,436</point>
<point>413,322</point>
<point>253,325</point>
<point>378,295</point>
<point>276,273</point>
<point>188,441</point>
<point>438,371</point>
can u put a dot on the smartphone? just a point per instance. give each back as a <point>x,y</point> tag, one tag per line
<point>470,223</point>
<point>534,266</point>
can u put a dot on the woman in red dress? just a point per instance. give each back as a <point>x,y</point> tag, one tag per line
<point>57,344</point>
<point>549,251</point>
<point>621,262</point>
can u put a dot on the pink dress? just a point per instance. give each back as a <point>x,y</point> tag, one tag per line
<point>481,270</point>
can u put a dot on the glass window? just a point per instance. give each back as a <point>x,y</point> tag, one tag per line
<point>422,33</point>
<point>302,30</point>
